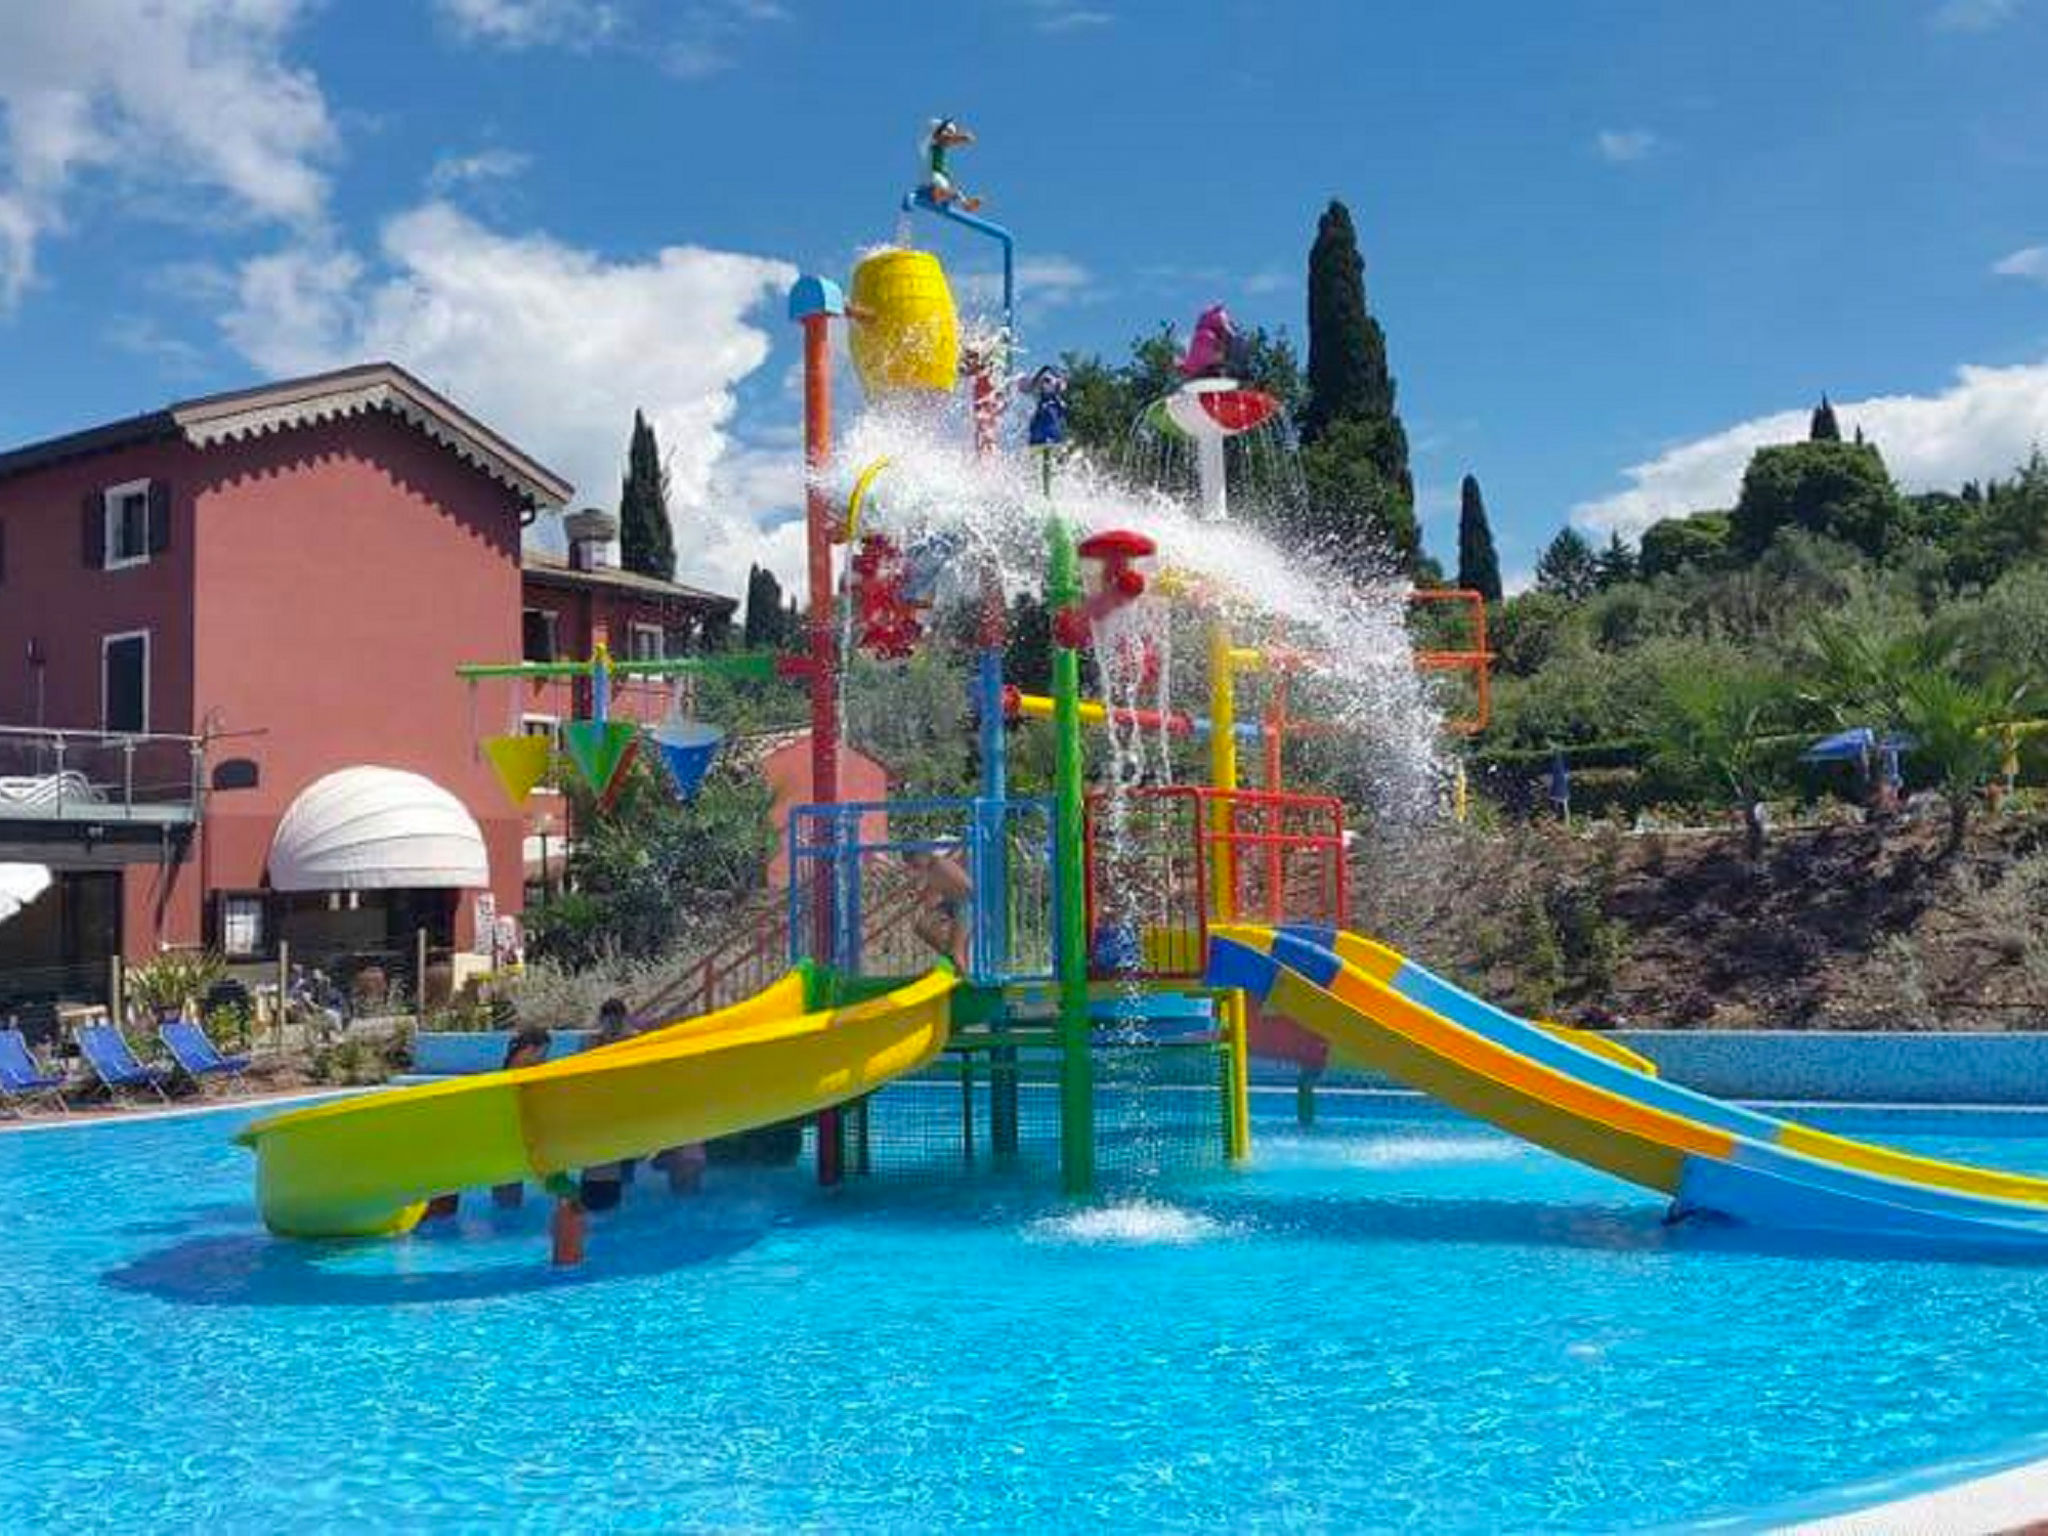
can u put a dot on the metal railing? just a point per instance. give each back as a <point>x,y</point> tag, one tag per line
<point>1164,862</point>
<point>861,899</point>
<point>60,775</point>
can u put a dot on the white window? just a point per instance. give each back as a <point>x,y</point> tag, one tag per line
<point>126,510</point>
<point>124,682</point>
<point>551,728</point>
<point>241,925</point>
<point>646,642</point>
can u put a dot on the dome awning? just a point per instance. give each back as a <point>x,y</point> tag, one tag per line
<point>377,829</point>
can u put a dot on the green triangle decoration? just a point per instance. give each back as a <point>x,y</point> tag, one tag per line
<point>600,749</point>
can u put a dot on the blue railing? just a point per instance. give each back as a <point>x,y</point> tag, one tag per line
<point>860,901</point>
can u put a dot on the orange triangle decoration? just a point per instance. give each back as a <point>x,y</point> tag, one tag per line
<point>520,763</point>
<point>600,749</point>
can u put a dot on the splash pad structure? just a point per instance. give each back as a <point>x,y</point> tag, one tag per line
<point>1037,971</point>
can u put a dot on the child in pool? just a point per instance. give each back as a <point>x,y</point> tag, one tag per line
<point>527,1048</point>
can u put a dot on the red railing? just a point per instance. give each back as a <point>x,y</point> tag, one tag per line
<point>1474,659</point>
<point>1163,863</point>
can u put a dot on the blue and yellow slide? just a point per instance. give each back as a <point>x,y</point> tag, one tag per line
<point>1713,1158</point>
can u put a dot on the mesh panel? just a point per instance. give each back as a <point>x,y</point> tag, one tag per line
<point>1158,1110</point>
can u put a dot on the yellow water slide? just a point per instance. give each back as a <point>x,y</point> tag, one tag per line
<point>1710,1157</point>
<point>367,1166</point>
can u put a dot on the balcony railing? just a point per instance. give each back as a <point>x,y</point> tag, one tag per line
<point>100,776</point>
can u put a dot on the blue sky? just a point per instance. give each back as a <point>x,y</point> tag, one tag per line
<point>1613,245</point>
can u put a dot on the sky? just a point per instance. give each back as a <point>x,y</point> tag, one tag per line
<point>1614,246</point>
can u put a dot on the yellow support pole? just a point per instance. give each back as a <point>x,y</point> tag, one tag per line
<point>1224,660</point>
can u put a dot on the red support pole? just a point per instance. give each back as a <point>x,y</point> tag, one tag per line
<point>824,667</point>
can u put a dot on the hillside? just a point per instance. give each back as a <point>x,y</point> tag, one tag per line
<point>1840,926</point>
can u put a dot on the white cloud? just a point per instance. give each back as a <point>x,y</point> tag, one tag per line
<point>1048,282</point>
<point>452,171</point>
<point>1065,16</point>
<point>190,96</point>
<point>690,40</point>
<point>1625,146</point>
<point>556,347</point>
<point>2031,262</point>
<point>1972,15</point>
<point>575,24</point>
<point>1985,423</point>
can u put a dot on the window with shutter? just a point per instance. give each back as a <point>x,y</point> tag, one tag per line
<point>129,524</point>
<point>537,627</point>
<point>124,682</point>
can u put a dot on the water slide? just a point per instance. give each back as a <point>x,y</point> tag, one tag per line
<point>1378,1008</point>
<point>367,1166</point>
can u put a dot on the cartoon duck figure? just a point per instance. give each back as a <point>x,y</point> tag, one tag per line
<point>946,135</point>
<point>1047,388</point>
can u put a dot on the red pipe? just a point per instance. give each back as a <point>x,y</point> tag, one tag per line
<point>824,659</point>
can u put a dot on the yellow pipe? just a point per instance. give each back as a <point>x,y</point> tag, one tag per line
<point>1223,662</point>
<point>862,484</point>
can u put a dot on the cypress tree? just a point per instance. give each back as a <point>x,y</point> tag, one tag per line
<point>1478,562</point>
<point>1355,450</point>
<point>646,544</point>
<point>1568,567</point>
<point>762,629</point>
<point>1824,428</point>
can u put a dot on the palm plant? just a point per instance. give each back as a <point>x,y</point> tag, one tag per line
<point>1954,726</point>
<point>1714,729</point>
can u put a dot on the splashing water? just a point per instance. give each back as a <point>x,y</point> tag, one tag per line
<point>1350,635</point>
<point>1133,1223</point>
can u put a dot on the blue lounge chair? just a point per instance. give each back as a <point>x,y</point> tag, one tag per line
<point>22,1078</point>
<point>195,1053</point>
<point>115,1065</point>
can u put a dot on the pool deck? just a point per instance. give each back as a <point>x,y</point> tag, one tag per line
<point>102,1115</point>
<point>2012,1500</point>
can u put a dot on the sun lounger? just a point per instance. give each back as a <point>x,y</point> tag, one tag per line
<point>195,1053</point>
<point>22,1078</point>
<point>115,1065</point>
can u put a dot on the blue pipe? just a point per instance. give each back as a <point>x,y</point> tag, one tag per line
<point>921,200</point>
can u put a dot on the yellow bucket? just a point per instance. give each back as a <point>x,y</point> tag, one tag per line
<point>905,334</point>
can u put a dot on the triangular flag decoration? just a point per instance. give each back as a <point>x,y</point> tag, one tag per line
<point>688,748</point>
<point>520,763</point>
<point>620,775</point>
<point>600,749</point>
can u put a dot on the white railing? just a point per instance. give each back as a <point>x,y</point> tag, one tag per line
<point>59,775</point>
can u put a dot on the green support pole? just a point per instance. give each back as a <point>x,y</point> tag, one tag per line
<point>1077,1067</point>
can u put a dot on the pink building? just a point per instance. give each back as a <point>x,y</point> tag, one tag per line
<point>235,600</point>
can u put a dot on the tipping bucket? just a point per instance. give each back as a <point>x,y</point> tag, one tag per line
<point>905,334</point>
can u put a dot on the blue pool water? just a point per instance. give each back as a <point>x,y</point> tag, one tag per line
<point>1398,1319</point>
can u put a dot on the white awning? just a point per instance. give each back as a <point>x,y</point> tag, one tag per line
<point>20,884</point>
<point>377,829</point>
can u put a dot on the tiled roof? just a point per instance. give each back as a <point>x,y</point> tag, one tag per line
<point>551,569</point>
<point>291,403</point>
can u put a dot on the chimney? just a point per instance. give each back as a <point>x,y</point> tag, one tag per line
<point>591,531</point>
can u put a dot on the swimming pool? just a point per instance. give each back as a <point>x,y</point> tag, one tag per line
<point>1398,1318</point>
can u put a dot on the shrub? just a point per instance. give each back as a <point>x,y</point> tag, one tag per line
<point>167,982</point>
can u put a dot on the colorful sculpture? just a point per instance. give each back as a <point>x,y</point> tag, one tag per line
<point>1048,389</point>
<point>1217,349</point>
<point>944,137</point>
